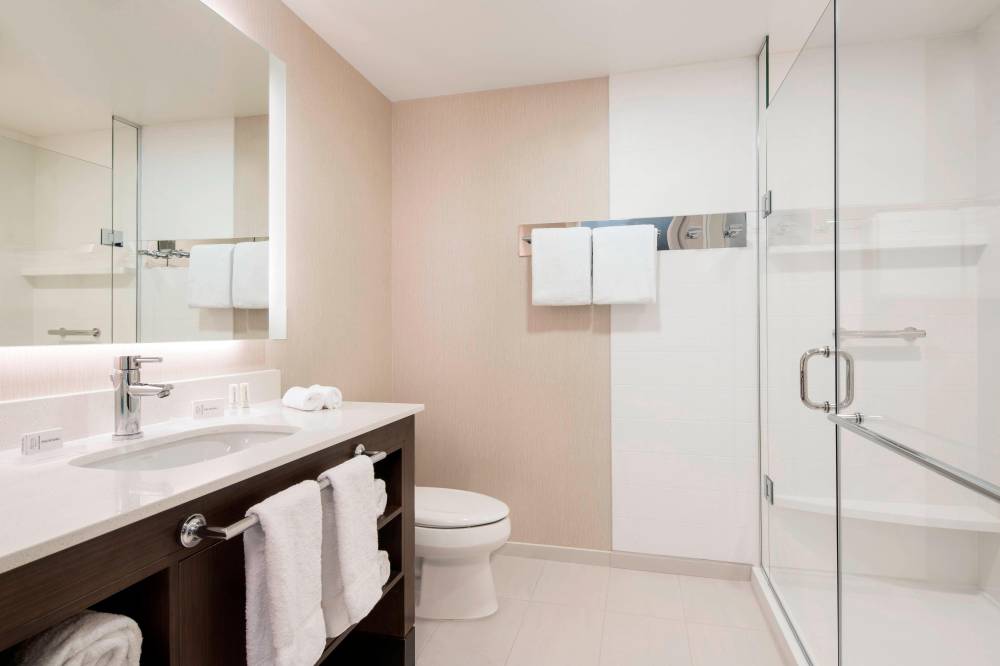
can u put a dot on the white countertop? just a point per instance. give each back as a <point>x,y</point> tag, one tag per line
<point>47,504</point>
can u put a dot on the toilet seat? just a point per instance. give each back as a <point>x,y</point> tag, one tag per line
<point>448,508</point>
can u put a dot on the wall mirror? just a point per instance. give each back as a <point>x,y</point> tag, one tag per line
<point>141,175</point>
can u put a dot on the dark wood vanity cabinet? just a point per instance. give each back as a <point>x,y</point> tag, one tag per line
<point>190,603</point>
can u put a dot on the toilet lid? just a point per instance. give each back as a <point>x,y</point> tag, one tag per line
<point>450,508</point>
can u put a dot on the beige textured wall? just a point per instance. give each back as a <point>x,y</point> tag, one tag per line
<point>338,219</point>
<point>338,216</point>
<point>517,396</point>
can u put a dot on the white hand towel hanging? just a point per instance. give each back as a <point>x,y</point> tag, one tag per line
<point>560,266</point>
<point>284,612</point>
<point>625,261</point>
<point>352,575</point>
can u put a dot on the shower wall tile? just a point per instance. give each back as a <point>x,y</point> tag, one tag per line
<point>684,370</point>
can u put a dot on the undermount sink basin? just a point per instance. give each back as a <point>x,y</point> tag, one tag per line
<point>184,448</point>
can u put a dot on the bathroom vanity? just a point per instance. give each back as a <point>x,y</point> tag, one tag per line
<point>98,526</point>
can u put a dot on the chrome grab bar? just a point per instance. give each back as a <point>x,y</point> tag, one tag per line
<point>855,424</point>
<point>63,332</point>
<point>909,333</point>
<point>195,527</point>
<point>825,352</point>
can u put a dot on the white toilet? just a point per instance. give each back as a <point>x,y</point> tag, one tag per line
<point>456,532</point>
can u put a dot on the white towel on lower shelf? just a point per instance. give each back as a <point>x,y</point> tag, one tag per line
<point>560,266</point>
<point>210,276</point>
<point>303,399</point>
<point>284,611</point>
<point>384,569</point>
<point>381,497</point>
<point>352,575</point>
<point>250,275</point>
<point>87,639</point>
<point>332,397</point>
<point>625,261</point>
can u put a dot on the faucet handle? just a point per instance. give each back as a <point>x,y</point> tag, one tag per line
<point>135,362</point>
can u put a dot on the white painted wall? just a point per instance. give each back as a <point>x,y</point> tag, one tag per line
<point>683,370</point>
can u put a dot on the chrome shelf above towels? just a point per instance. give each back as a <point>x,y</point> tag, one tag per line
<point>678,232</point>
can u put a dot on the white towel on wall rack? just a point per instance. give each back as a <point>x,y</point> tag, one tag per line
<point>625,262</point>
<point>560,266</point>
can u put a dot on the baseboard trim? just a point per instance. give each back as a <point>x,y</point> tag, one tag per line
<point>541,551</point>
<point>684,566</point>
<point>784,636</point>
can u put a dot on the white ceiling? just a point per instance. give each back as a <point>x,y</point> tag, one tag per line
<point>69,66</point>
<point>423,48</point>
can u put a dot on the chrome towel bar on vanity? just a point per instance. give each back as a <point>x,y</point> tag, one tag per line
<point>195,527</point>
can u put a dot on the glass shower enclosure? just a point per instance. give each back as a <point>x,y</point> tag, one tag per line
<point>879,307</point>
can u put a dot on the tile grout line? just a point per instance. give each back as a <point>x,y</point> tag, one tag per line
<point>604,619</point>
<point>524,617</point>
<point>684,616</point>
<point>517,634</point>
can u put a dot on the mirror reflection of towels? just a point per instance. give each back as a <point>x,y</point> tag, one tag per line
<point>210,276</point>
<point>250,275</point>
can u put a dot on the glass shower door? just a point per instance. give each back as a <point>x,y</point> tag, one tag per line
<point>919,308</point>
<point>798,320</point>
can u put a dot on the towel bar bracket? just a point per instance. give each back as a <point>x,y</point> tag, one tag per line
<point>195,528</point>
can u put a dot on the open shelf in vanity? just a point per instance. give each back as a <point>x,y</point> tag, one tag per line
<point>190,602</point>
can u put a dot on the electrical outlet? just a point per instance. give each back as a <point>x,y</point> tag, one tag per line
<point>41,440</point>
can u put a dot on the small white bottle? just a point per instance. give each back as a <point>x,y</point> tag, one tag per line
<point>234,397</point>
<point>245,395</point>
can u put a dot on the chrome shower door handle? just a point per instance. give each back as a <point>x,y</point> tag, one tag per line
<point>825,352</point>
<point>804,379</point>
<point>848,380</point>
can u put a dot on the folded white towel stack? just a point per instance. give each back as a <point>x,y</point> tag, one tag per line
<point>302,399</point>
<point>313,398</point>
<point>332,397</point>
<point>284,612</point>
<point>560,266</point>
<point>87,639</point>
<point>210,276</point>
<point>625,263</point>
<point>250,275</point>
<point>352,574</point>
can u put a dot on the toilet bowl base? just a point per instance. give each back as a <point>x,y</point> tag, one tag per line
<point>453,589</point>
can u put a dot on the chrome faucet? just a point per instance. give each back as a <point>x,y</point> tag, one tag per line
<point>128,393</point>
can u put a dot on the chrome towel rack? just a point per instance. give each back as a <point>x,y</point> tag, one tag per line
<point>88,332</point>
<point>909,333</point>
<point>195,528</point>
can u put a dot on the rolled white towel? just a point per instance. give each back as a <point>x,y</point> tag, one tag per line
<point>332,397</point>
<point>381,498</point>
<point>303,399</point>
<point>87,639</point>
<point>383,566</point>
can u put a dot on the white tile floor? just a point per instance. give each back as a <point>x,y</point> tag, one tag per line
<point>556,614</point>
